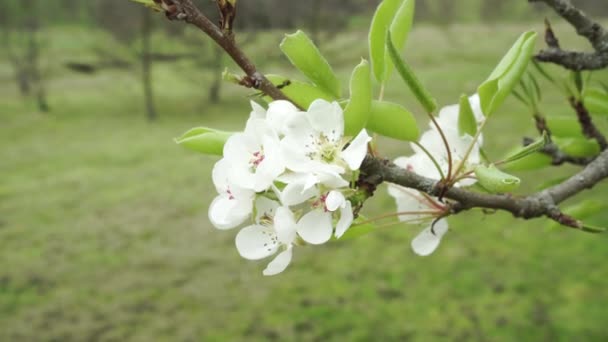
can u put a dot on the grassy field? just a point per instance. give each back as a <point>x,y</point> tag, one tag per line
<point>104,232</point>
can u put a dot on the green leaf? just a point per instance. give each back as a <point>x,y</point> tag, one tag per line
<point>596,101</point>
<point>149,3</point>
<point>467,124</point>
<point>358,228</point>
<point>550,183</point>
<point>303,94</point>
<point>408,76</point>
<point>584,210</point>
<point>400,29</point>
<point>392,120</point>
<point>357,111</point>
<point>305,56</point>
<point>507,73</point>
<point>531,162</point>
<point>204,140</point>
<point>528,150</point>
<point>496,181</point>
<point>382,22</point>
<point>542,71</point>
<point>565,126</point>
<point>577,147</point>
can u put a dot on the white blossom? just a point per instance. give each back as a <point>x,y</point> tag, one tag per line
<point>234,204</point>
<point>274,231</point>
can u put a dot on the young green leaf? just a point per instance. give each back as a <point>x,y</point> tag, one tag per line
<point>303,94</point>
<point>466,118</point>
<point>534,161</point>
<point>400,29</point>
<point>381,23</point>
<point>578,147</point>
<point>596,101</point>
<point>496,181</point>
<point>408,76</point>
<point>565,126</point>
<point>358,110</point>
<point>392,120</point>
<point>150,3</point>
<point>528,150</point>
<point>204,140</point>
<point>507,73</point>
<point>305,56</point>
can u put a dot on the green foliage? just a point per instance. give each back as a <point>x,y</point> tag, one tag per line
<point>565,126</point>
<point>357,111</point>
<point>150,3</point>
<point>304,55</point>
<point>577,147</point>
<point>204,140</point>
<point>407,74</point>
<point>534,161</point>
<point>392,120</point>
<point>596,100</point>
<point>358,229</point>
<point>303,94</point>
<point>496,181</point>
<point>467,124</point>
<point>394,17</point>
<point>528,150</point>
<point>507,73</point>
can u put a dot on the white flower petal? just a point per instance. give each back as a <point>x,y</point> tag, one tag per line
<point>296,193</point>
<point>226,212</point>
<point>315,227</point>
<point>346,219</point>
<point>334,200</point>
<point>279,113</point>
<point>475,102</point>
<point>280,263</point>
<point>409,200</point>
<point>285,225</point>
<point>265,207</point>
<point>257,111</point>
<point>354,154</point>
<point>427,241</point>
<point>256,242</point>
<point>328,118</point>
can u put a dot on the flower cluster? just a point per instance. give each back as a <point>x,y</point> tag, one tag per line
<point>289,172</point>
<point>420,208</point>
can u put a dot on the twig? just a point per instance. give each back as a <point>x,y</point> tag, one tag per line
<point>186,10</point>
<point>589,129</point>
<point>585,27</point>
<point>558,157</point>
<point>540,204</point>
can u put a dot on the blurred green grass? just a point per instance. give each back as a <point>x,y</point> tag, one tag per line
<point>104,232</point>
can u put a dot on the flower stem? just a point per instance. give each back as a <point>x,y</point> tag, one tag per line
<point>432,159</point>
<point>445,143</point>
<point>469,149</point>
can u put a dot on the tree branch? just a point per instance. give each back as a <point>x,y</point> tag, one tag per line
<point>585,27</point>
<point>376,170</point>
<point>186,10</point>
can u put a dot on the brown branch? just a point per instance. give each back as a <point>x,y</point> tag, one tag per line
<point>587,125</point>
<point>186,10</point>
<point>585,27</point>
<point>542,204</point>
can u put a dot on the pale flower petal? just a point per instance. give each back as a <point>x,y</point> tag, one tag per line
<point>327,117</point>
<point>280,263</point>
<point>285,225</point>
<point>256,242</point>
<point>226,212</point>
<point>315,227</point>
<point>427,241</point>
<point>346,219</point>
<point>334,200</point>
<point>354,154</point>
<point>257,111</point>
<point>279,113</point>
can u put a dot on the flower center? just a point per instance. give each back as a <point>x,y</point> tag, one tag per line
<point>256,159</point>
<point>320,202</point>
<point>324,149</point>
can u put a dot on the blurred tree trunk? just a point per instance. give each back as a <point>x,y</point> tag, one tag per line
<point>214,89</point>
<point>146,61</point>
<point>33,58</point>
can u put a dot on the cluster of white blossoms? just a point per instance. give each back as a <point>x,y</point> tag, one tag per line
<point>422,208</point>
<point>288,174</point>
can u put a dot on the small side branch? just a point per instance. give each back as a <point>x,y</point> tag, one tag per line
<point>587,125</point>
<point>186,10</point>
<point>585,27</point>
